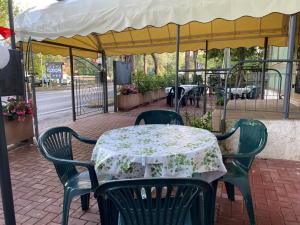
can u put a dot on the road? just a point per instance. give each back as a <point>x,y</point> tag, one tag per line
<point>55,107</point>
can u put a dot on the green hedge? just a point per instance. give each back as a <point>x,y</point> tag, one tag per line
<point>145,82</point>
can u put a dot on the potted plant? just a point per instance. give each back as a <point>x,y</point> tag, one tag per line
<point>17,120</point>
<point>128,97</point>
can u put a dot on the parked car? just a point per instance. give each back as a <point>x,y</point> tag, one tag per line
<point>66,81</point>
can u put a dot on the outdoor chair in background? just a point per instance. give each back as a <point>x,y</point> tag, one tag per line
<point>160,201</point>
<point>159,117</point>
<point>252,140</point>
<point>171,95</point>
<point>56,146</point>
<point>195,94</point>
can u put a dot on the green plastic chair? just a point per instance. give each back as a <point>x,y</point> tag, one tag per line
<point>155,201</point>
<point>56,146</point>
<point>159,117</point>
<point>253,139</point>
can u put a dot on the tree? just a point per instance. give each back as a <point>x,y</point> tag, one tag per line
<point>155,62</point>
<point>4,13</point>
<point>145,64</point>
<point>187,64</point>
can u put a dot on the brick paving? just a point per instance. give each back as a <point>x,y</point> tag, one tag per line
<point>38,193</point>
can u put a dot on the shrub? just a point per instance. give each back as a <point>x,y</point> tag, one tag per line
<point>204,122</point>
<point>220,101</point>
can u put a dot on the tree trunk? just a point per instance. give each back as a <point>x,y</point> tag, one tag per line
<point>145,64</point>
<point>240,76</point>
<point>155,63</point>
<point>130,59</point>
<point>195,56</point>
<point>187,64</point>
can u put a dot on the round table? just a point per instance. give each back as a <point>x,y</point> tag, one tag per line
<point>157,151</point>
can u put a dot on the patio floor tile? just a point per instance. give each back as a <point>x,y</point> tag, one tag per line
<point>38,193</point>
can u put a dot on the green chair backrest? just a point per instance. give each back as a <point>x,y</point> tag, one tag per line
<point>159,117</point>
<point>57,143</point>
<point>159,201</point>
<point>253,139</point>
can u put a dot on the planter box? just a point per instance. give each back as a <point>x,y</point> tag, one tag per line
<point>17,131</point>
<point>127,102</point>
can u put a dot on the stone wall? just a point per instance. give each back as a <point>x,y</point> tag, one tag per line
<point>283,139</point>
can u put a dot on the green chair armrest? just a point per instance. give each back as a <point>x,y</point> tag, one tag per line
<point>236,155</point>
<point>87,164</point>
<point>84,139</point>
<point>226,135</point>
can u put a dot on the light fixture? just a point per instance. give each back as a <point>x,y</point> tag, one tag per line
<point>4,57</point>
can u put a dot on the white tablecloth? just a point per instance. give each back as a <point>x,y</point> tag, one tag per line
<point>186,87</point>
<point>157,151</point>
<point>239,91</point>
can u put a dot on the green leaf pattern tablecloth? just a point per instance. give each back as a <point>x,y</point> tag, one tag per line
<point>157,151</point>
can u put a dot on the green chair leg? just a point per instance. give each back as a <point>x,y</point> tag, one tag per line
<point>66,206</point>
<point>243,185</point>
<point>85,201</point>
<point>230,191</point>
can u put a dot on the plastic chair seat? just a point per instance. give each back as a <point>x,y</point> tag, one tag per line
<point>82,181</point>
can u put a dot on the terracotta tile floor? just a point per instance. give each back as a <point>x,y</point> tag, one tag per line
<point>38,193</point>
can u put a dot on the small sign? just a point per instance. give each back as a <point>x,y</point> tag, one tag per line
<point>12,76</point>
<point>54,69</point>
<point>122,73</point>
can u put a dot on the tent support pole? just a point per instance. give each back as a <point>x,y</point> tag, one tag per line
<point>72,83</point>
<point>104,76</point>
<point>5,179</point>
<point>205,78</point>
<point>177,67</point>
<point>11,23</point>
<point>264,68</point>
<point>289,66</point>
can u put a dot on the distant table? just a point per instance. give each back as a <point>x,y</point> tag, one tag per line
<point>186,87</point>
<point>239,91</point>
<point>158,151</point>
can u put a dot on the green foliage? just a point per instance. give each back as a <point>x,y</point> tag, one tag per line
<point>145,82</point>
<point>204,122</point>
<point>220,101</point>
<point>4,12</point>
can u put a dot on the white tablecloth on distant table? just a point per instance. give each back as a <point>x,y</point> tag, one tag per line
<point>158,151</point>
<point>239,91</point>
<point>186,87</point>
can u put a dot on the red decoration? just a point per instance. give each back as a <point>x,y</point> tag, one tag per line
<point>6,32</point>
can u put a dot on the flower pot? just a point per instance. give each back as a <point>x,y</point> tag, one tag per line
<point>147,97</point>
<point>17,131</point>
<point>127,102</point>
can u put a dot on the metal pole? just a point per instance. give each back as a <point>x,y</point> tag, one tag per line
<point>72,83</point>
<point>264,68</point>
<point>5,180</point>
<point>177,66</point>
<point>115,87</point>
<point>289,66</point>
<point>11,23</point>
<point>105,95</point>
<point>32,71</point>
<point>205,79</point>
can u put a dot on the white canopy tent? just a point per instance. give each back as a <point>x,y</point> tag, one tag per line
<point>124,27</point>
